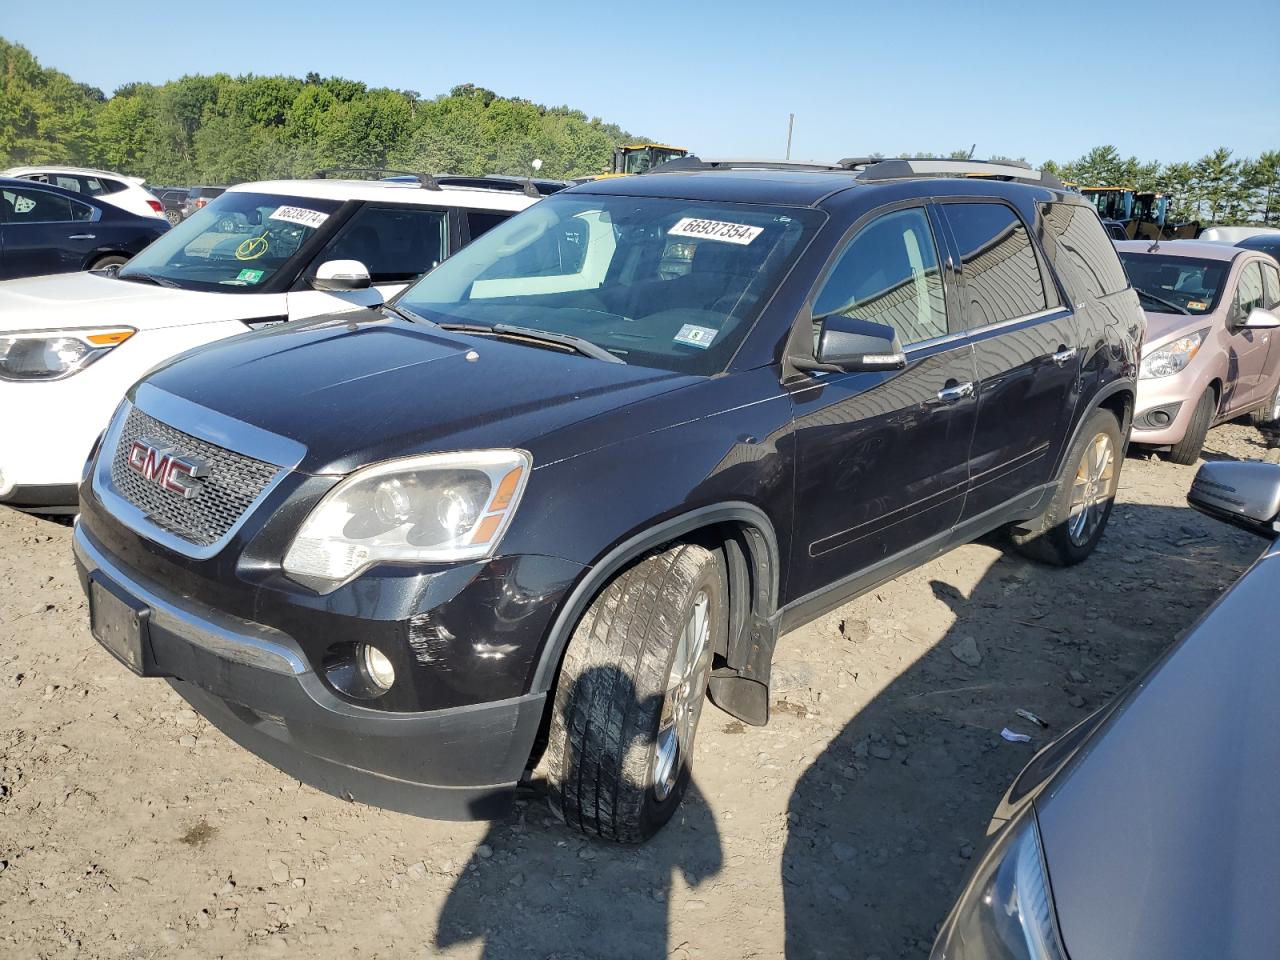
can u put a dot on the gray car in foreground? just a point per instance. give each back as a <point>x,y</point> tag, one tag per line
<point>1152,828</point>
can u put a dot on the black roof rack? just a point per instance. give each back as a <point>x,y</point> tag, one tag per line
<point>685,164</point>
<point>906,168</point>
<point>540,186</point>
<point>425,180</point>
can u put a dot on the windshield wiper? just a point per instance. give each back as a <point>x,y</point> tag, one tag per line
<point>584,347</point>
<point>1162,301</point>
<point>148,278</point>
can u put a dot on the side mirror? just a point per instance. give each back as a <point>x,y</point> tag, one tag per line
<point>338,275</point>
<point>850,344</point>
<point>1244,494</point>
<point>1259,319</point>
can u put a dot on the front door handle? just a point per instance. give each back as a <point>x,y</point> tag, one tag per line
<point>1063,355</point>
<point>955,392</point>
<point>82,236</point>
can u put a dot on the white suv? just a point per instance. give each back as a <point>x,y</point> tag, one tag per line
<point>261,254</point>
<point>127,193</point>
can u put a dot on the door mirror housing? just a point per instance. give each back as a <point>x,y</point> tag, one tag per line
<point>339,275</point>
<point>1259,319</point>
<point>850,344</point>
<point>1241,493</point>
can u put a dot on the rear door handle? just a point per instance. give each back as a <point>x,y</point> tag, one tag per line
<point>82,236</point>
<point>955,392</point>
<point>1063,355</point>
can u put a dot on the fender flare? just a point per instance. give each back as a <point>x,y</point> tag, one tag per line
<point>765,564</point>
<point>1095,402</point>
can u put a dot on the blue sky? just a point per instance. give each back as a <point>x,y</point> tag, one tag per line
<point>1016,79</point>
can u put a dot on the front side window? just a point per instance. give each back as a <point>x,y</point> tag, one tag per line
<point>666,283</point>
<point>1001,273</point>
<point>1249,293</point>
<point>1271,283</point>
<point>395,245</point>
<point>236,243</point>
<point>889,274</point>
<point>1169,284</point>
<point>23,205</point>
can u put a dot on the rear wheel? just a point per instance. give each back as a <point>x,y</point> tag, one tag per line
<point>1269,412</point>
<point>1072,524</point>
<point>1187,450</point>
<point>112,260</point>
<point>630,693</point>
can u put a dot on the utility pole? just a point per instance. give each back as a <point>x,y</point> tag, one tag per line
<point>791,122</point>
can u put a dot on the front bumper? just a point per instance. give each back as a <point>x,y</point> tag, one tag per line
<point>255,683</point>
<point>1175,395</point>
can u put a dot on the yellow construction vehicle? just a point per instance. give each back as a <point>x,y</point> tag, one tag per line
<point>640,157</point>
<point>1144,215</point>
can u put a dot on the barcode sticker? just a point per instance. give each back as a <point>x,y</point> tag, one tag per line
<point>723,231</point>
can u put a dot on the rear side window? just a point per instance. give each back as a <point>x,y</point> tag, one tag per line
<point>1001,273</point>
<point>395,245</point>
<point>36,206</point>
<point>481,222</point>
<point>1081,251</point>
<point>889,274</point>
<point>108,186</point>
<point>1271,279</point>
<point>1249,294</point>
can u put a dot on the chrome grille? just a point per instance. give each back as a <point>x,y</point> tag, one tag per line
<point>233,483</point>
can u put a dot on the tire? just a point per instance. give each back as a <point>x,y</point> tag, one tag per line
<point>607,773</point>
<point>111,260</point>
<point>1187,450</point>
<point>173,216</point>
<point>1087,486</point>
<point>1269,412</point>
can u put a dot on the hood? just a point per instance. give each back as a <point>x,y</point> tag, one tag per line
<point>1169,326</point>
<point>355,393</point>
<point>91,299</point>
<point>1162,840</point>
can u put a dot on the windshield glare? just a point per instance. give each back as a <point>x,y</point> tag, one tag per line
<point>236,243</point>
<point>657,282</point>
<point>1189,283</point>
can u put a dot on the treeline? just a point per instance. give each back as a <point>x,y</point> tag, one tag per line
<point>224,129</point>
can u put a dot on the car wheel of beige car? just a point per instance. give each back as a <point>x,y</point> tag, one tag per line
<point>630,692</point>
<point>1187,450</point>
<point>1269,412</point>
<point>1072,525</point>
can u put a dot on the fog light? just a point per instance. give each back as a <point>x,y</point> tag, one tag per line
<point>1159,417</point>
<point>377,667</point>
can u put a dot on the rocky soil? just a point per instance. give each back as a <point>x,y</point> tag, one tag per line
<point>131,828</point>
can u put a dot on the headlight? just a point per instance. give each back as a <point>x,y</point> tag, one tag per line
<point>435,508</point>
<point>1172,357</point>
<point>54,354</point>
<point>1006,911</point>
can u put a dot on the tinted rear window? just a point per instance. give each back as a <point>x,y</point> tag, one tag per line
<point>1081,251</point>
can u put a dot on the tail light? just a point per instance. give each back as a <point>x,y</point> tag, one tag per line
<point>201,202</point>
<point>156,205</point>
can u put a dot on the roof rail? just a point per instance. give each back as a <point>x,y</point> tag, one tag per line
<point>905,168</point>
<point>684,164</point>
<point>539,187</point>
<point>425,180</point>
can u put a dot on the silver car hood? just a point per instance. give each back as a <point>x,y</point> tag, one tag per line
<point>1163,838</point>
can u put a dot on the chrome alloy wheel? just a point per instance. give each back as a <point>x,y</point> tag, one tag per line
<point>683,700</point>
<point>1092,489</point>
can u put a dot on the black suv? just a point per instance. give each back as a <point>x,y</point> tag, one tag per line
<point>521,519</point>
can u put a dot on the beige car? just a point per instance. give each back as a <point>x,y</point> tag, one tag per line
<point>1211,352</point>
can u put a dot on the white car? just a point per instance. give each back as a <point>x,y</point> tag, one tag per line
<point>261,254</point>
<point>127,193</point>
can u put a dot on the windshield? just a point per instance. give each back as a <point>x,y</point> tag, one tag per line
<point>1183,283</point>
<point>658,282</point>
<point>638,161</point>
<point>1111,204</point>
<point>237,242</point>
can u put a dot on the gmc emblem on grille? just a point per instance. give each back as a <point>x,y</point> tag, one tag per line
<point>162,466</point>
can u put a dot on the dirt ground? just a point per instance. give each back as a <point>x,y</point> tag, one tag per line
<point>131,828</point>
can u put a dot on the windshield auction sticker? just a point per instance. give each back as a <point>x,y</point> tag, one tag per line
<point>301,216</point>
<point>696,336</point>
<point>739,233</point>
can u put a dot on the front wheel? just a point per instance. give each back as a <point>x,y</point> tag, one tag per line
<point>1072,524</point>
<point>630,693</point>
<point>1187,450</point>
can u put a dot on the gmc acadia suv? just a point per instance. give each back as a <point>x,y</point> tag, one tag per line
<point>522,518</point>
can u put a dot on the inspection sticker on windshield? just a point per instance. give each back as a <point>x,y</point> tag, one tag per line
<point>300,215</point>
<point>739,233</point>
<point>696,336</point>
<point>250,276</point>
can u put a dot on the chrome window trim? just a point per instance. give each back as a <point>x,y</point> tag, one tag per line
<point>207,425</point>
<point>998,325</point>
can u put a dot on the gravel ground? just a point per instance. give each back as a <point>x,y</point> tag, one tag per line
<point>131,828</point>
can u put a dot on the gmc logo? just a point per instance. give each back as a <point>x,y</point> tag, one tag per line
<point>160,465</point>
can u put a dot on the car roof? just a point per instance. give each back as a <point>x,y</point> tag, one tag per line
<point>1203,249</point>
<point>787,187</point>
<point>392,191</point>
<point>8,181</point>
<point>84,171</point>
